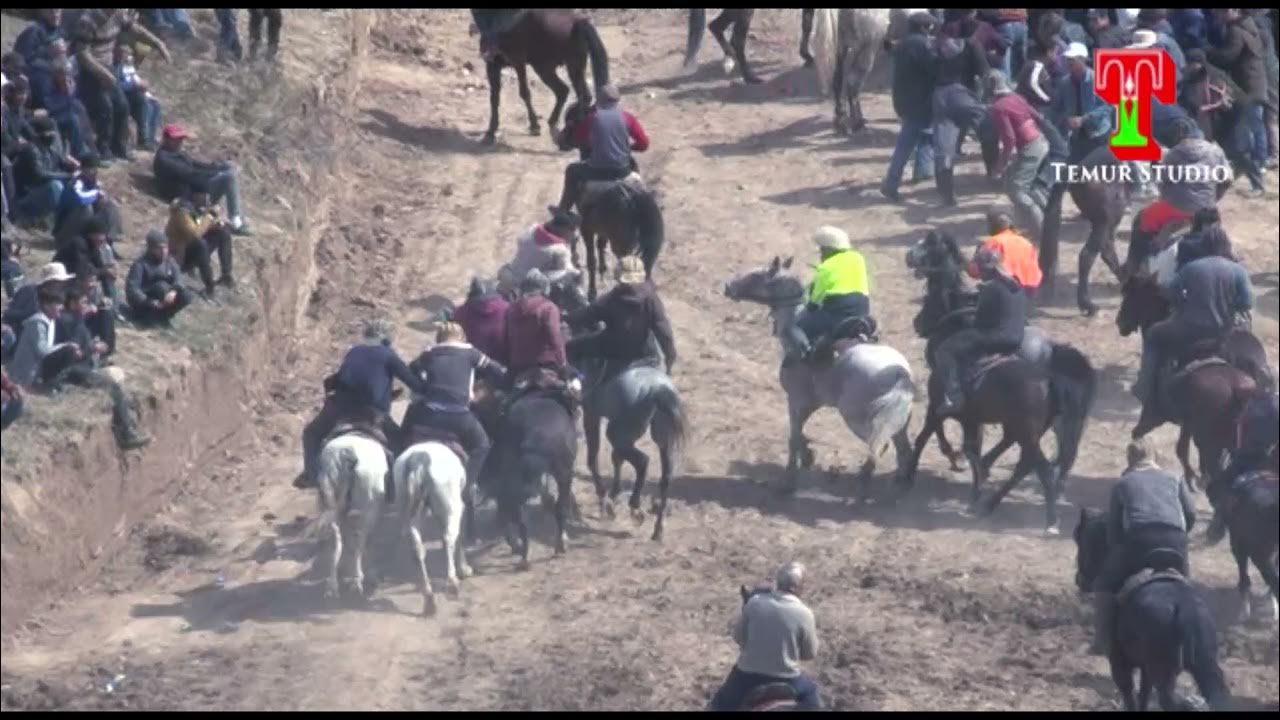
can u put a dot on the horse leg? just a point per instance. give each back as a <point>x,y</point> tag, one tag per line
<point>591,429</point>
<point>838,92</point>
<point>602,245</point>
<point>1244,586</point>
<point>1184,457</point>
<point>806,31</point>
<point>800,455</point>
<point>522,527</point>
<point>859,67</point>
<point>451,530</point>
<point>1144,690</point>
<point>564,507</point>
<point>955,457</point>
<point>1025,464</point>
<point>357,551</point>
<point>1122,676</point>
<point>739,42</point>
<point>1147,422</point>
<point>717,28</point>
<point>664,456</point>
<point>932,426</point>
<point>420,554</point>
<point>493,68</point>
<point>1108,249</point>
<point>578,78</point>
<point>1088,255</point>
<point>697,24</point>
<point>991,457</point>
<point>332,590</point>
<point>972,444</point>
<point>522,76</point>
<point>1166,692</point>
<point>640,463</point>
<point>549,78</point>
<point>616,490</point>
<point>589,240</point>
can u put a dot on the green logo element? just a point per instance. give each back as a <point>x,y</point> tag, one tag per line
<point>1127,134</point>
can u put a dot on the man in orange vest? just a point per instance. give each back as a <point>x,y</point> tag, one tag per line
<point>1018,257</point>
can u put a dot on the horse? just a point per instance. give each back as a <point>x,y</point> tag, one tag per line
<point>1217,392</point>
<point>1025,398</point>
<point>352,484</point>
<point>870,384</point>
<point>1162,628</point>
<point>545,40</point>
<point>430,475</point>
<point>629,221</point>
<point>734,49</point>
<point>535,446</point>
<point>638,399</point>
<point>1255,535</point>
<point>846,43</point>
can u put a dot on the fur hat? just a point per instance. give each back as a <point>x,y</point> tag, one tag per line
<point>378,329</point>
<point>630,270</point>
<point>831,238</point>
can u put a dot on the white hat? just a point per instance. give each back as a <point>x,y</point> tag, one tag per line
<point>630,270</point>
<point>831,238</point>
<point>1076,50</point>
<point>53,272</point>
<point>1144,39</point>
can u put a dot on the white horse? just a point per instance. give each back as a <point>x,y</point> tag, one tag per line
<point>431,475</point>
<point>352,482</point>
<point>870,384</point>
<point>845,45</point>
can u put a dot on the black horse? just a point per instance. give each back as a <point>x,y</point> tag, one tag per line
<point>545,39</point>
<point>1025,399</point>
<point>1162,628</point>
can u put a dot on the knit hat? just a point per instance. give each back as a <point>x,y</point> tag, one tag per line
<point>535,282</point>
<point>156,239</point>
<point>831,238</point>
<point>630,270</point>
<point>378,329</point>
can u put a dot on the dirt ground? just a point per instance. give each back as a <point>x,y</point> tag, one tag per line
<point>921,606</point>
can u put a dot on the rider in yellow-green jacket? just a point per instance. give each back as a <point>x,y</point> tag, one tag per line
<point>840,290</point>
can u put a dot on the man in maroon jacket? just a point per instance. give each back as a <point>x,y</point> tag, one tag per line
<point>533,337</point>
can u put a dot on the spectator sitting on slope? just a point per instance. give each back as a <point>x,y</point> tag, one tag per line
<point>195,232</point>
<point>176,172</point>
<point>154,288</point>
<point>143,106</point>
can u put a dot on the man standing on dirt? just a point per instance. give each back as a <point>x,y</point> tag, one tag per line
<point>775,632</point>
<point>915,68</point>
<point>1023,148</point>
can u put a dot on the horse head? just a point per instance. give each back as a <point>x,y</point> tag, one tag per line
<point>771,286</point>
<point>1142,305</point>
<point>1091,547</point>
<point>936,254</point>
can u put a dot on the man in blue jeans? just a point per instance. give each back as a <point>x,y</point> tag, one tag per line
<point>229,48</point>
<point>915,69</point>
<point>776,631</point>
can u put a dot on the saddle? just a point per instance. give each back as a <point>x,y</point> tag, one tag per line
<point>417,434</point>
<point>592,190</point>
<point>771,697</point>
<point>1147,576</point>
<point>366,428</point>
<point>1036,349</point>
<point>847,334</point>
<point>547,382</point>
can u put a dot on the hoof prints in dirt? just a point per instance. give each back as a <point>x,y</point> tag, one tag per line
<point>164,544</point>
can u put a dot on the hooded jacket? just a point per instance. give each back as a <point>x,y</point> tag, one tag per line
<point>960,60</point>
<point>630,312</point>
<point>483,319</point>
<point>915,71</point>
<point>1242,55</point>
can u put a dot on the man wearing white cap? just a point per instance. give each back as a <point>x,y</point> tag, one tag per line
<point>25,303</point>
<point>1076,110</point>
<point>840,289</point>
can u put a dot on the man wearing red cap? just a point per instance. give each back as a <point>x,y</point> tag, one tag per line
<point>176,172</point>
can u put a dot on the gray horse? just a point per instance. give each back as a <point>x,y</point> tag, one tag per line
<point>870,384</point>
<point>638,399</point>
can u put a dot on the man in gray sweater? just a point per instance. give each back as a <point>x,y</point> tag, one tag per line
<point>1150,510</point>
<point>776,632</point>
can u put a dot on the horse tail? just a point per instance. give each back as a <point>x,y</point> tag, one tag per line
<point>595,50</point>
<point>891,412</point>
<point>671,422</point>
<point>1199,649</point>
<point>1074,384</point>
<point>415,489</point>
<point>824,48</point>
<point>331,469</point>
<point>649,229</point>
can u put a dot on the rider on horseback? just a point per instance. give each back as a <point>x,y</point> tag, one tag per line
<point>1259,428</point>
<point>544,247</point>
<point>999,326</point>
<point>631,312</point>
<point>1179,201</point>
<point>1208,294</point>
<point>1150,510</point>
<point>611,134</point>
<point>359,394</point>
<point>1018,257</point>
<point>448,371</point>
<point>776,632</point>
<point>535,344</point>
<point>840,290</point>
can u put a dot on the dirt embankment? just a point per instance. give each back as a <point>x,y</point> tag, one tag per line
<point>69,495</point>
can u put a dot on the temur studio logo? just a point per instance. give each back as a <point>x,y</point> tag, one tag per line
<point>1130,79</point>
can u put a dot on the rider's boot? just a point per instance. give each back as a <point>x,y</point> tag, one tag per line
<point>946,186</point>
<point>952,395</point>
<point>1103,614</point>
<point>1217,527</point>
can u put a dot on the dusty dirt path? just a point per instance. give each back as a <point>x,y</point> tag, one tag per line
<point>919,607</point>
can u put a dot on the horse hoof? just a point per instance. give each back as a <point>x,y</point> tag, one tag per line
<point>453,588</point>
<point>465,572</point>
<point>489,140</point>
<point>657,536</point>
<point>607,510</point>
<point>524,565</point>
<point>1052,531</point>
<point>637,515</point>
<point>728,66</point>
<point>753,80</point>
<point>535,130</point>
<point>1088,309</point>
<point>429,607</point>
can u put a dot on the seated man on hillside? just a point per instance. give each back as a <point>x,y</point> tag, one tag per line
<point>195,232</point>
<point>11,271</point>
<point>40,171</point>
<point>38,359</point>
<point>154,287</point>
<point>177,172</point>
<point>26,302</point>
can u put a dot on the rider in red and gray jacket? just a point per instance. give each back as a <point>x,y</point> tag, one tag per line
<point>611,134</point>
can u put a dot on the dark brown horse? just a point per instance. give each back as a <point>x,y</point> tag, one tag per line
<point>1217,393</point>
<point>545,40</point>
<point>630,222</point>
<point>1026,400</point>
